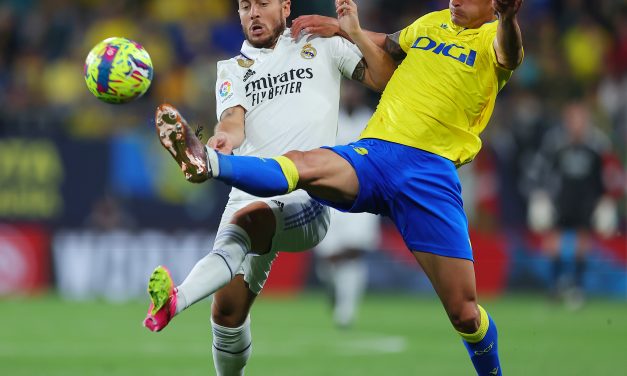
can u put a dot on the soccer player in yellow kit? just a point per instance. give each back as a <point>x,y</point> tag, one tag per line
<point>436,103</point>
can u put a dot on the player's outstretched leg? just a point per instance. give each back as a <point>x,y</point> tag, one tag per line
<point>259,176</point>
<point>454,281</point>
<point>209,274</point>
<point>163,299</point>
<point>321,172</point>
<point>178,138</point>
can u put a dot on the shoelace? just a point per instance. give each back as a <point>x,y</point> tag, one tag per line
<point>198,132</point>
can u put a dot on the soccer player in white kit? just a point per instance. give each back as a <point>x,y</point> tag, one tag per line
<point>281,93</point>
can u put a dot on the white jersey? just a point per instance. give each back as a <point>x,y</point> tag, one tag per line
<point>290,93</point>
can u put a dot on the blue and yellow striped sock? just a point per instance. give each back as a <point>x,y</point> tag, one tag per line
<point>263,177</point>
<point>482,347</point>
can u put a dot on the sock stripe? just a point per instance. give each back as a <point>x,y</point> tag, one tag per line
<point>231,352</point>
<point>289,170</point>
<point>226,262</point>
<point>481,332</point>
<point>237,234</point>
<point>239,239</point>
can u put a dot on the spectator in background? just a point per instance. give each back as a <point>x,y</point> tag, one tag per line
<point>341,263</point>
<point>570,177</point>
<point>108,214</point>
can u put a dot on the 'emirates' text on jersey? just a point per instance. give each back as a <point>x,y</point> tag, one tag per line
<point>290,93</point>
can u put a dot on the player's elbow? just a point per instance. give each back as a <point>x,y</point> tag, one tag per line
<point>512,62</point>
<point>379,82</point>
<point>509,56</point>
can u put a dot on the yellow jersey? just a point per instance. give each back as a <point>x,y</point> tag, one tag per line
<point>442,95</point>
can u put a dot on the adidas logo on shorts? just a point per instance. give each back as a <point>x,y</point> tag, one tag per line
<point>279,204</point>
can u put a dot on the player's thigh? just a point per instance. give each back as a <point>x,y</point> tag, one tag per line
<point>325,174</point>
<point>301,222</point>
<point>452,278</point>
<point>232,303</point>
<point>258,220</point>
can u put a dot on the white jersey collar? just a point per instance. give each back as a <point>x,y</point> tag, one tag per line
<point>253,53</point>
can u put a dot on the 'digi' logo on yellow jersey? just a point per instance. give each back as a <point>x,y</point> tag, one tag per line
<point>457,52</point>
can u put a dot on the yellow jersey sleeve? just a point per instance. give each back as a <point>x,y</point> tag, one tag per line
<point>442,95</point>
<point>503,74</point>
<point>406,37</point>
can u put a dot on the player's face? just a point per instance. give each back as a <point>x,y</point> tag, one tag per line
<point>576,120</point>
<point>263,20</point>
<point>471,13</point>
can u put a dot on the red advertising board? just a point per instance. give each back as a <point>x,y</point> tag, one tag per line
<point>24,259</point>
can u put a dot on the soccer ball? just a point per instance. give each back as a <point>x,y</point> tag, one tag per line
<point>118,70</point>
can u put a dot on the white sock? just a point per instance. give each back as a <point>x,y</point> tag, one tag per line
<point>349,279</point>
<point>231,348</point>
<point>212,161</point>
<point>216,269</point>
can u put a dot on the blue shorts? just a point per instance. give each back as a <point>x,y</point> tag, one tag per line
<point>418,190</point>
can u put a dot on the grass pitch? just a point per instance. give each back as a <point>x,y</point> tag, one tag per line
<point>394,335</point>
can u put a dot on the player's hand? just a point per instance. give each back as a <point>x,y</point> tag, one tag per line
<point>347,17</point>
<point>506,8</point>
<point>221,142</point>
<point>315,24</point>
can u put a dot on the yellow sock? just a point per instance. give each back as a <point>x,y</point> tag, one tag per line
<point>483,328</point>
<point>289,170</point>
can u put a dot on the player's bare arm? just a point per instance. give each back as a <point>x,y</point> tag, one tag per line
<point>327,27</point>
<point>317,25</point>
<point>229,132</point>
<point>389,43</point>
<point>508,41</point>
<point>377,66</point>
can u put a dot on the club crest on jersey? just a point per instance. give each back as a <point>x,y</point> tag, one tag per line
<point>361,151</point>
<point>225,91</point>
<point>245,63</point>
<point>308,51</point>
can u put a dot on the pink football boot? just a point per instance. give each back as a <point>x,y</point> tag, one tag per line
<point>163,300</point>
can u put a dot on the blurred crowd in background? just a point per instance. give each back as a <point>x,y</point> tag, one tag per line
<point>108,172</point>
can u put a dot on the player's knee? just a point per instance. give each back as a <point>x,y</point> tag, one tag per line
<point>228,315</point>
<point>259,223</point>
<point>309,165</point>
<point>248,217</point>
<point>465,316</point>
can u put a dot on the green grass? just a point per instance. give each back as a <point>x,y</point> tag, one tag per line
<point>397,335</point>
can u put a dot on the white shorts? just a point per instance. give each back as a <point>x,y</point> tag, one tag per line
<point>301,223</point>
<point>350,230</point>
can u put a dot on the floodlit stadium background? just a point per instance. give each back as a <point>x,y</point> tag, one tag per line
<point>90,203</point>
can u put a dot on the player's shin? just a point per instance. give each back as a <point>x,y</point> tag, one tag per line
<point>482,347</point>
<point>217,268</point>
<point>262,177</point>
<point>231,348</point>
